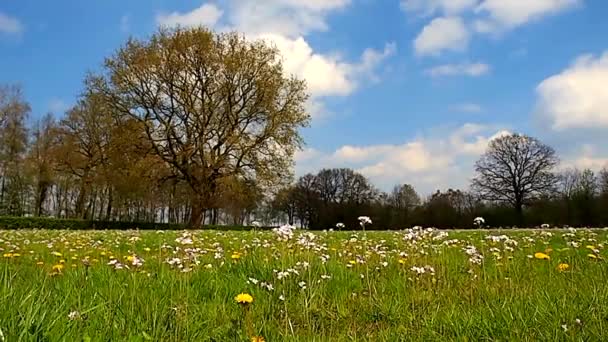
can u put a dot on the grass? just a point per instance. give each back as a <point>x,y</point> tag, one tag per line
<point>326,286</point>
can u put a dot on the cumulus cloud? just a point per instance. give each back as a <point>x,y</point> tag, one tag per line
<point>10,25</point>
<point>577,97</point>
<point>462,69</point>
<point>449,32</point>
<point>586,157</point>
<point>502,15</point>
<point>428,162</point>
<point>205,15</point>
<point>442,34</point>
<point>285,24</point>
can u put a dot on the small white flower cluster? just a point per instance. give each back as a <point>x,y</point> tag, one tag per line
<point>545,226</point>
<point>364,220</point>
<point>185,239</point>
<point>422,270</point>
<point>285,232</point>
<point>307,240</point>
<point>479,221</point>
<point>340,225</point>
<point>74,316</point>
<point>502,238</point>
<point>136,261</point>
<point>572,244</point>
<point>416,234</point>
<point>263,284</point>
<point>117,264</point>
<point>256,224</point>
<point>474,256</point>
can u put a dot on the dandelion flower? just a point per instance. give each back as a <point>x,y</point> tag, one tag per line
<point>258,339</point>
<point>58,268</point>
<point>542,256</point>
<point>244,298</point>
<point>563,267</point>
<point>592,256</point>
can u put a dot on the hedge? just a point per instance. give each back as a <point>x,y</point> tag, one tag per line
<point>9,222</point>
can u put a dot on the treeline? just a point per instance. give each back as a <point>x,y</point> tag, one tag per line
<point>579,199</point>
<point>197,128</point>
<point>92,165</point>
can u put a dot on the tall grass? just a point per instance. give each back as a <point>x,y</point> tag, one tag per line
<point>366,289</point>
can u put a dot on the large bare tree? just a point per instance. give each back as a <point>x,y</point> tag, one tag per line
<point>515,169</point>
<point>214,107</point>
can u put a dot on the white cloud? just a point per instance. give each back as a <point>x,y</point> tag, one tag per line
<point>442,34</point>
<point>450,33</point>
<point>430,7</point>
<point>507,14</point>
<point>463,69</point>
<point>10,25</point>
<point>290,18</point>
<point>466,108</point>
<point>206,15</point>
<point>577,97</point>
<point>431,162</point>
<point>285,23</point>
<point>587,157</point>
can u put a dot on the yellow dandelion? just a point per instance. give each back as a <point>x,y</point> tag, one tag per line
<point>62,261</point>
<point>16,255</point>
<point>402,261</point>
<point>8,255</point>
<point>58,268</point>
<point>39,263</point>
<point>563,267</point>
<point>258,339</point>
<point>590,247</point>
<point>147,249</point>
<point>244,298</point>
<point>236,256</point>
<point>542,256</point>
<point>592,256</point>
<point>130,258</point>
<point>57,254</point>
<point>352,262</point>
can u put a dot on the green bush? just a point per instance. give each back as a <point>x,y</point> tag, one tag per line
<point>9,222</point>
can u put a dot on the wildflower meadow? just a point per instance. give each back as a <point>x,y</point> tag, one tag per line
<point>296,285</point>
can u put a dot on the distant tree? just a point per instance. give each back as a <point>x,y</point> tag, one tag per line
<point>214,106</point>
<point>515,169</point>
<point>14,111</point>
<point>404,197</point>
<point>286,201</point>
<point>41,160</point>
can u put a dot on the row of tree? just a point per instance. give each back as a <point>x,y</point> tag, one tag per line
<point>196,127</point>
<point>577,198</point>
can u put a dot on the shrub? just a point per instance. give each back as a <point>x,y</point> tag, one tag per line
<point>10,222</point>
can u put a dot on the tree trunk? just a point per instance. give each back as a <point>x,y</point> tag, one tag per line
<point>196,214</point>
<point>519,210</point>
<point>109,208</point>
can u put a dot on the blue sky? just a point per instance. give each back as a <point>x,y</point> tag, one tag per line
<point>402,90</point>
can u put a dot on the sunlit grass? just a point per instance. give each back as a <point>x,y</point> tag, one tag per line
<point>324,286</point>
